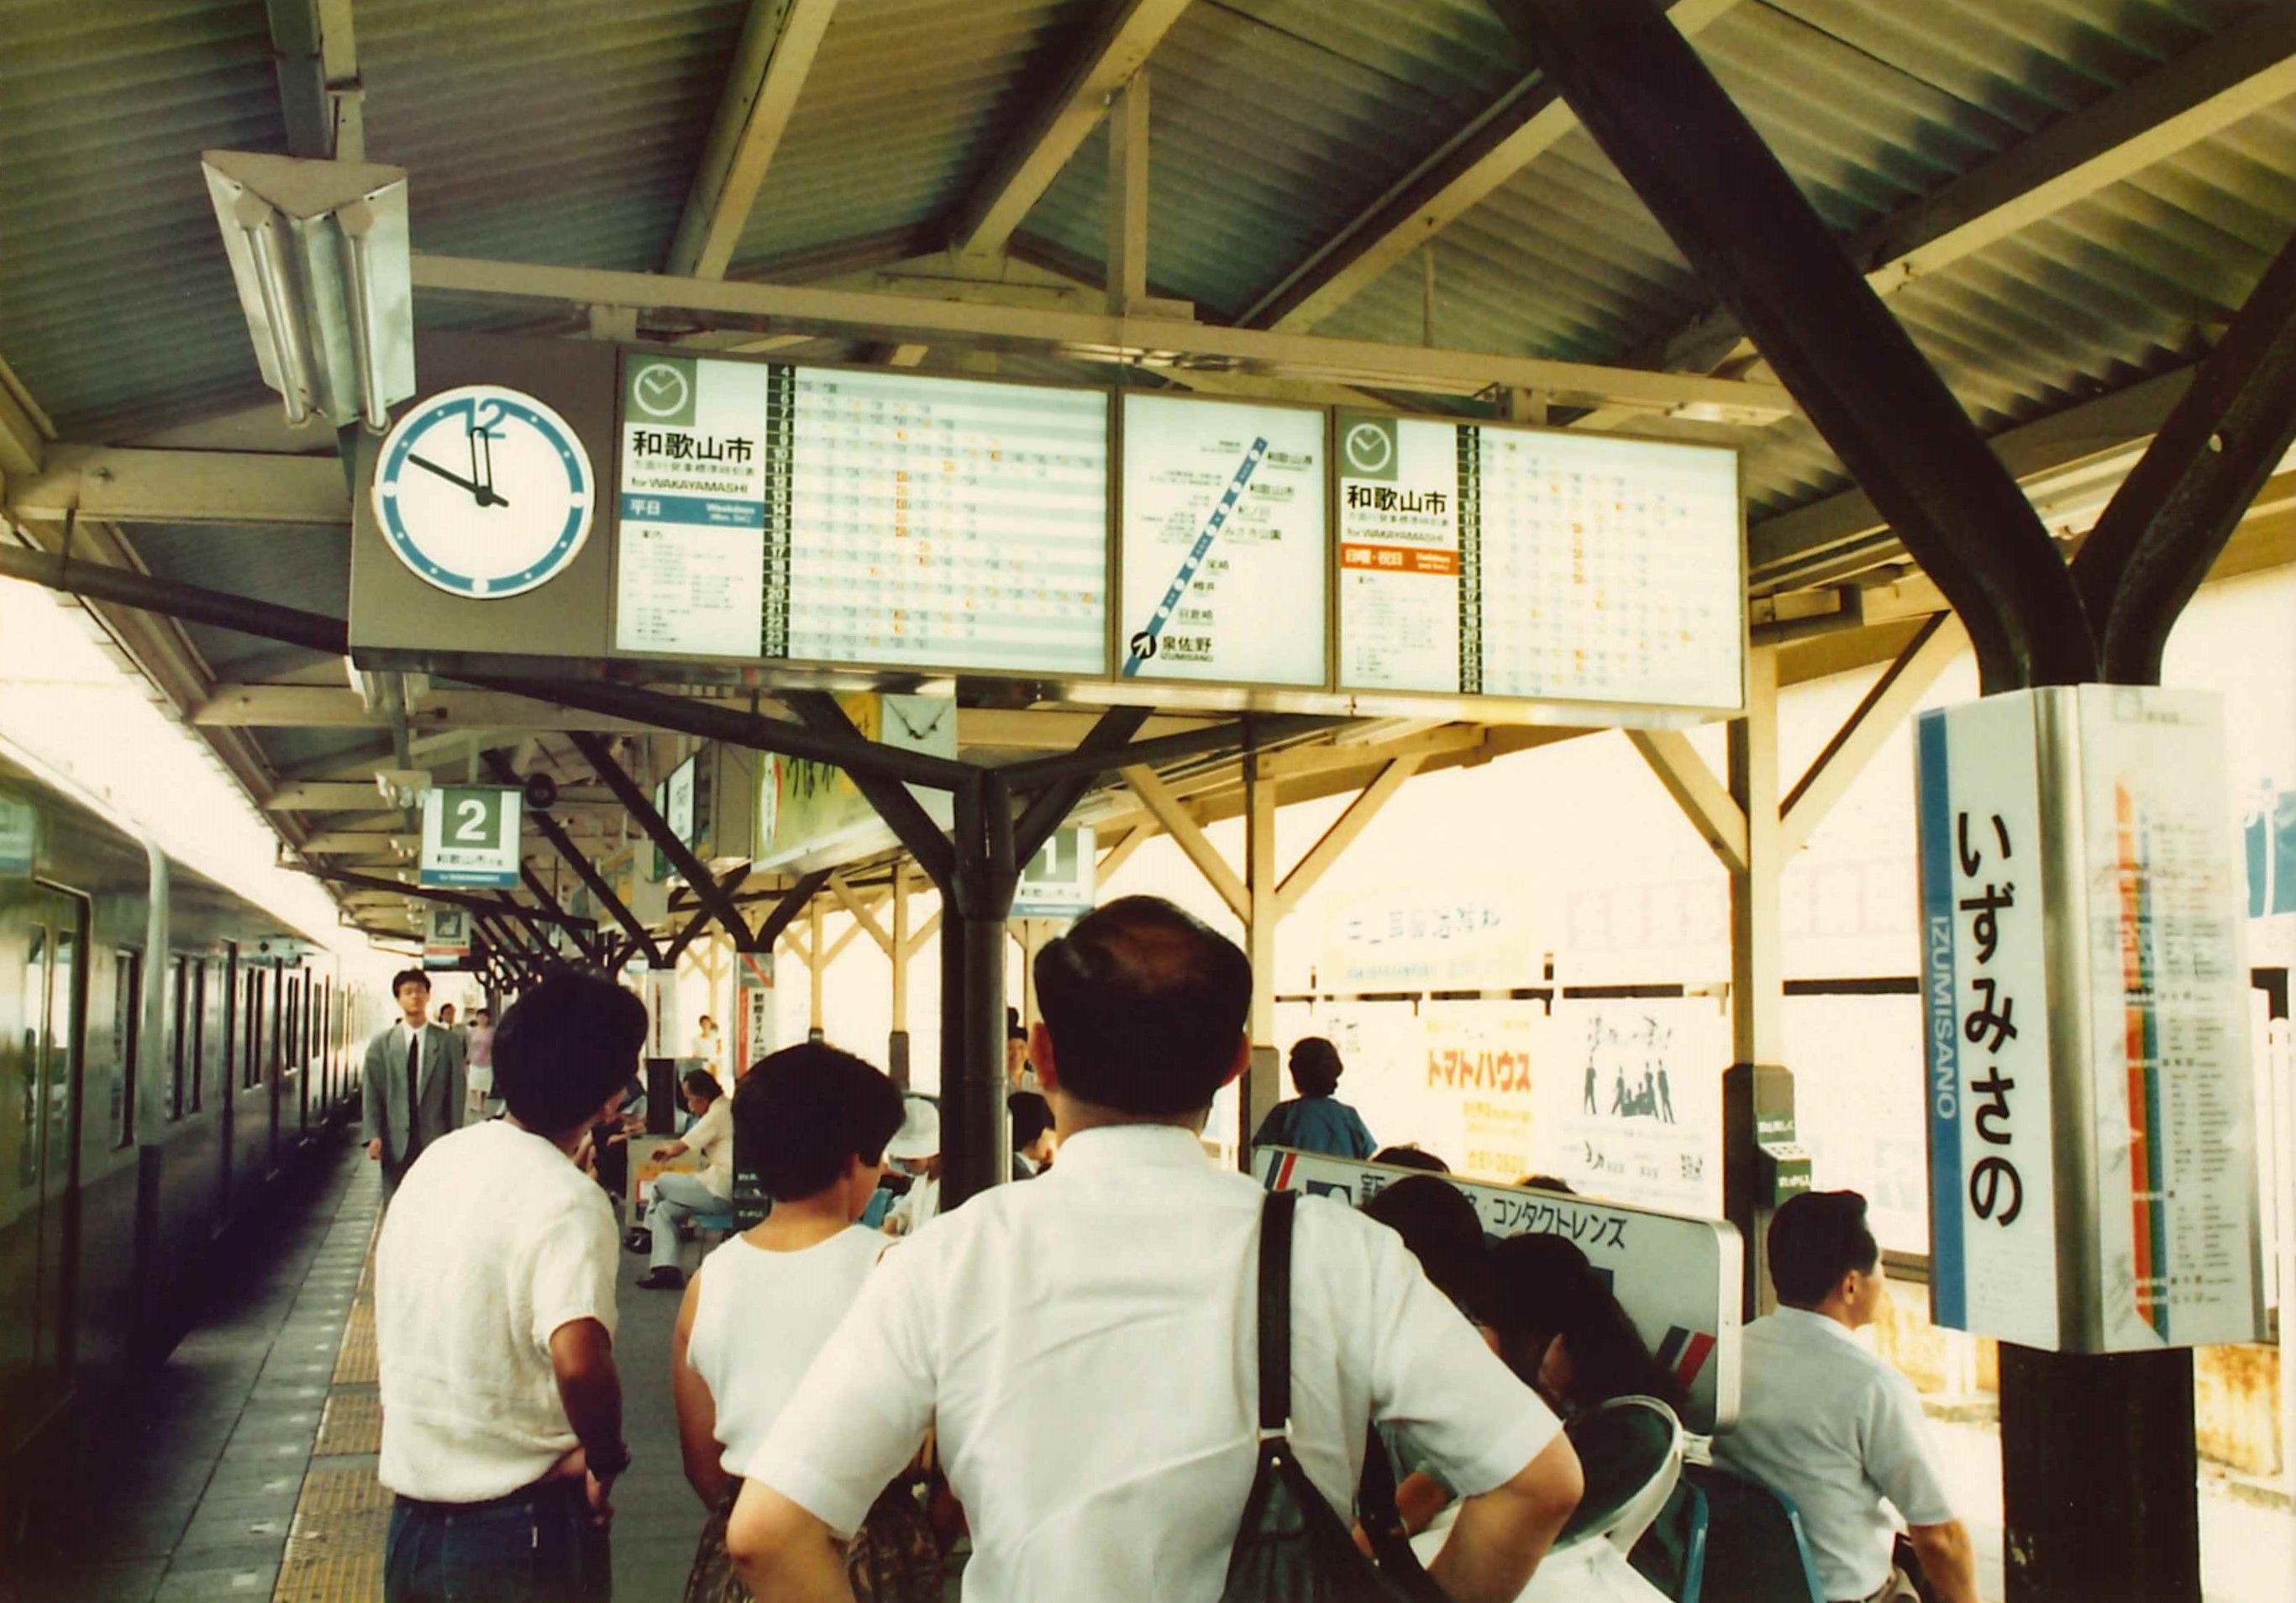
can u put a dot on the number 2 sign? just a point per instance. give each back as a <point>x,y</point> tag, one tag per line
<point>470,835</point>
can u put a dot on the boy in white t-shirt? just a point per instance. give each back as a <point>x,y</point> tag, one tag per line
<point>502,1407</point>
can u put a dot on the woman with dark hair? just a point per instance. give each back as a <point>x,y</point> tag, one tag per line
<point>1562,1332</point>
<point>1316,1121</point>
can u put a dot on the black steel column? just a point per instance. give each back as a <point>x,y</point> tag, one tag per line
<point>976,1142</point>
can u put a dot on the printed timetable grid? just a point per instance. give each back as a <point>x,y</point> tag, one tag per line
<point>944,522</point>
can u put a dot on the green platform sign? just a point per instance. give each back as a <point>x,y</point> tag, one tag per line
<point>470,835</point>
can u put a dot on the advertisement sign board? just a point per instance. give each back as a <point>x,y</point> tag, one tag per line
<point>446,938</point>
<point>811,812</point>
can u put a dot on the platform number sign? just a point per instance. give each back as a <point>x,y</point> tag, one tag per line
<point>470,835</point>
<point>1060,881</point>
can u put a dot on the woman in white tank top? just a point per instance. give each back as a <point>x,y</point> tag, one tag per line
<point>811,1122</point>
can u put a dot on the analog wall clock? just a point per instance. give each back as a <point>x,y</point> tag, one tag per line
<point>484,491</point>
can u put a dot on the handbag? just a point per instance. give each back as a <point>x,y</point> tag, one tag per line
<point>1291,1547</point>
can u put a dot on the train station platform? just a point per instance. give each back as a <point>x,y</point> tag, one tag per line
<point>244,1467</point>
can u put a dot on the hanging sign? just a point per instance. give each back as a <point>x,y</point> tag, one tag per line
<point>19,838</point>
<point>753,1009</point>
<point>1060,881</point>
<point>1678,1278</point>
<point>446,937</point>
<point>470,835</point>
<point>673,799</point>
<point>2092,1143</point>
<point>810,813</point>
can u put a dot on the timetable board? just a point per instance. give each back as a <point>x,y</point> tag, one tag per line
<point>1223,537</point>
<point>1477,560</point>
<point>859,518</point>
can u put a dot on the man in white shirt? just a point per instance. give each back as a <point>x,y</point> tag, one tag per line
<point>413,1089</point>
<point>1084,1345</point>
<point>502,1408</point>
<point>1825,1421</point>
<point>678,1198</point>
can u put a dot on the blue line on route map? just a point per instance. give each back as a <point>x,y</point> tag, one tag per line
<point>1195,557</point>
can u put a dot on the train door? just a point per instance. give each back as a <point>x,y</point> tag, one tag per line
<point>47,944</point>
<point>226,1079</point>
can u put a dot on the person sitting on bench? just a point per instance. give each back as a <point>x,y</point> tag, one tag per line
<point>678,1198</point>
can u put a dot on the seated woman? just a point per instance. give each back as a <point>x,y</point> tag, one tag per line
<point>1562,1332</point>
<point>814,1123</point>
<point>678,1197</point>
<point>1314,1120</point>
<point>1445,1233</point>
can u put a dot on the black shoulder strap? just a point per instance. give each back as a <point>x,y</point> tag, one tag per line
<point>1275,1310</point>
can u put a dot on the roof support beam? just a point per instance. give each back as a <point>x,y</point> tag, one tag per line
<point>640,806</point>
<point>1127,195</point>
<point>1880,714</point>
<point>2250,65</point>
<point>902,812</point>
<point>1735,213</point>
<point>1173,815</point>
<point>1098,336</point>
<point>1344,832</point>
<point>1050,807</point>
<point>1119,45</point>
<point>1704,800</point>
<point>770,64</point>
<point>702,917</point>
<point>553,831</point>
<point>124,485</point>
<point>325,707</point>
<point>2171,517</point>
<point>863,917</point>
<point>483,905</point>
<point>1514,131</point>
<point>316,56</point>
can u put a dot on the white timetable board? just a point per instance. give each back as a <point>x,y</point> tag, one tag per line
<point>1477,560</point>
<point>1222,533</point>
<point>861,518</point>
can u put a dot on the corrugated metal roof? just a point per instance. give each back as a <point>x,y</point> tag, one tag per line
<point>902,110</point>
<point>116,303</point>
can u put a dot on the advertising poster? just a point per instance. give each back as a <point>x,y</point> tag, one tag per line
<point>809,811</point>
<point>1478,1060</point>
<point>1415,940</point>
<point>1223,527</point>
<point>446,937</point>
<point>1633,1107</point>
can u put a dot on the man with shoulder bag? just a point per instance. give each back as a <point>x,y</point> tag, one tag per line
<point>1089,1350</point>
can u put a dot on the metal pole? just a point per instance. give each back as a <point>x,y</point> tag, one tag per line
<point>976,1142</point>
<point>1758,1092</point>
<point>897,1048</point>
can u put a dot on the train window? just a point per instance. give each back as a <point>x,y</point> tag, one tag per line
<point>179,1012</point>
<point>36,1001</point>
<point>209,1035</point>
<point>127,1019</point>
<point>63,1047</point>
<point>250,1070</point>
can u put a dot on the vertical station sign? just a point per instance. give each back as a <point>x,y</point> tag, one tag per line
<point>2092,1148</point>
<point>1060,881</point>
<point>470,835</point>
<point>692,549</point>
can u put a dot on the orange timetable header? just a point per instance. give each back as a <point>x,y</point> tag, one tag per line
<point>1400,559</point>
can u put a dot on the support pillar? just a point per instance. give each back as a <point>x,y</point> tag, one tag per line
<point>896,1046</point>
<point>1758,1096</point>
<point>976,1142</point>
<point>815,968</point>
<point>1263,1085</point>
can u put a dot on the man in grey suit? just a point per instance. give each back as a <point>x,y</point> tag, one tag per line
<point>413,1089</point>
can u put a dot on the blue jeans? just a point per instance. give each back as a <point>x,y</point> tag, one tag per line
<point>536,1545</point>
<point>677,1198</point>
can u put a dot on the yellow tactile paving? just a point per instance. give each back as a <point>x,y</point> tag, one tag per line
<point>335,1549</point>
<point>354,1364</point>
<point>352,1423</point>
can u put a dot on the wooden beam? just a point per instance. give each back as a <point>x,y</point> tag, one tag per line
<point>324,707</point>
<point>1119,44</point>
<point>1702,797</point>
<point>770,64</point>
<point>1099,337</point>
<point>347,795</point>
<point>1880,715</point>
<point>1342,833</point>
<point>128,486</point>
<point>314,53</point>
<point>1127,195</point>
<point>863,918</point>
<point>1513,131</point>
<point>2250,65</point>
<point>25,434</point>
<point>1169,812</point>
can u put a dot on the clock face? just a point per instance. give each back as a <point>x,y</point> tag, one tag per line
<point>484,491</point>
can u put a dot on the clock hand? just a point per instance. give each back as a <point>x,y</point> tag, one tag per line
<point>480,493</point>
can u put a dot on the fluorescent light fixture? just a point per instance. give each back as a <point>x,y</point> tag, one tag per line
<point>319,251</point>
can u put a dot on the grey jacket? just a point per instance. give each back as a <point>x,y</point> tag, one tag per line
<point>383,1091</point>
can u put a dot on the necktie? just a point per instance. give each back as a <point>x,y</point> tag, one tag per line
<point>414,1110</point>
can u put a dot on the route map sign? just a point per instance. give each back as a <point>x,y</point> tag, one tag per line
<point>1222,532</point>
<point>861,518</point>
<point>1477,560</point>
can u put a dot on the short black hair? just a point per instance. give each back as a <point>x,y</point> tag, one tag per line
<point>1146,1005</point>
<point>1013,1028</point>
<point>700,1082</point>
<point>1443,1231</point>
<point>1547,1182</point>
<point>1543,1290</point>
<point>1031,1117</point>
<point>1411,1157</point>
<point>565,1047</point>
<point>801,1112</point>
<point>1316,1066</point>
<point>1816,1238</point>
<point>409,976</point>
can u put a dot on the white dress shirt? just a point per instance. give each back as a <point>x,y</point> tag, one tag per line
<point>710,1138</point>
<point>494,1241</point>
<point>1085,1346</point>
<point>1828,1423</point>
